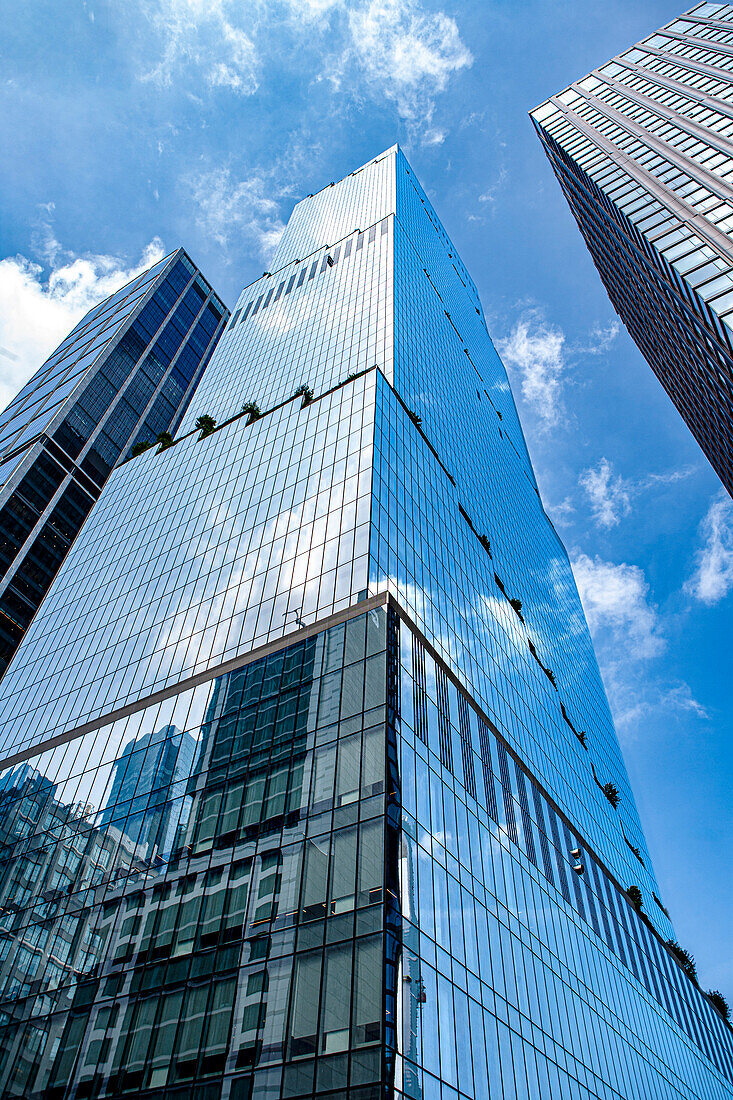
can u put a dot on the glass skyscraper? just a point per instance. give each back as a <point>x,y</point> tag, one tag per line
<point>643,150</point>
<point>397,854</point>
<point>125,374</point>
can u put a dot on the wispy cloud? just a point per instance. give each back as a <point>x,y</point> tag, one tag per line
<point>313,11</point>
<point>395,51</point>
<point>636,698</point>
<point>407,55</point>
<point>41,303</point>
<point>228,207</point>
<point>600,339</point>
<point>667,478</point>
<point>609,494</point>
<point>628,636</point>
<point>616,602</point>
<point>713,576</point>
<point>561,513</point>
<point>541,355</point>
<point>490,194</point>
<point>202,35</point>
<point>679,697</point>
<point>536,350</point>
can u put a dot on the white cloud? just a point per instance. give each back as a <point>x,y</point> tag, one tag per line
<point>407,54</point>
<point>201,34</point>
<point>312,10</point>
<point>38,308</point>
<point>491,193</point>
<point>600,339</point>
<point>609,494</point>
<point>237,71</point>
<point>713,576</point>
<point>433,136</point>
<point>562,512</point>
<point>669,478</point>
<point>243,207</point>
<point>540,354</point>
<point>636,698</point>
<point>393,50</point>
<point>628,634</point>
<point>535,350</point>
<point>679,697</point>
<point>616,603</point>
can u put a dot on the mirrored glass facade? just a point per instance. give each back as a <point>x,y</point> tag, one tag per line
<point>123,375</point>
<point>643,150</point>
<point>310,786</point>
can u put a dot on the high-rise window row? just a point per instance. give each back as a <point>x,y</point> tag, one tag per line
<point>308,270</point>
<point>125,374</point>
<point>643,149</point>
<point>225,852</point>
<point>308,782</point>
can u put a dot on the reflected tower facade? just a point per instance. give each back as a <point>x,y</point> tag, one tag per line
<point>144,787</point>
<point>124,374</point>
<point>399,835</point>
<point>643,150</point>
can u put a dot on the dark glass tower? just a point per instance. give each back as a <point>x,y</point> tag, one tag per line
<point>643,150</point>
<point>394,855</point>
<point>126,372</point>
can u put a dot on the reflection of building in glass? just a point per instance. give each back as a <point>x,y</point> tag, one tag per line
<point>230,900</point>
<point>126,372</point>
<point>398,833</point>
<point>144,790</point>
<point>48,933</point>
<point>643,150</point>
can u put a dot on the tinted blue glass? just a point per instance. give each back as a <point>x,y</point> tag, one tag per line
<point>655,209</point>
<point>314,699</point>
<point>104,388</point>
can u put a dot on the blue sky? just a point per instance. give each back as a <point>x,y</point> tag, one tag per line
<point>130,128</point>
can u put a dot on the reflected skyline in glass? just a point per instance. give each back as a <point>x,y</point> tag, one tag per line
<point>319,782</point>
